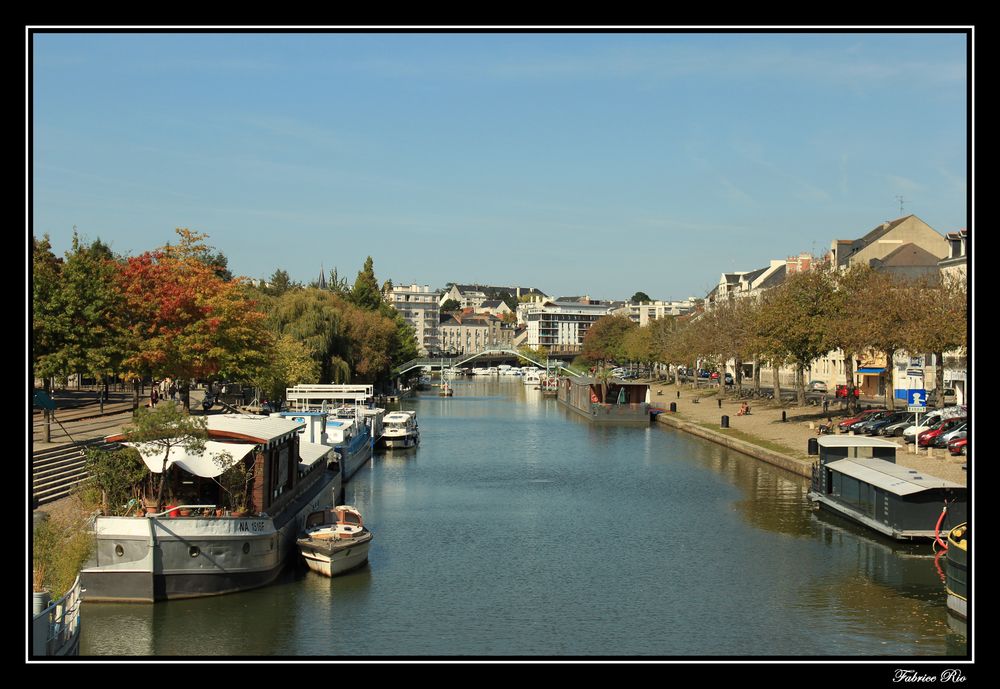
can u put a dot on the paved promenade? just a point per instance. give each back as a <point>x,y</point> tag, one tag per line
<point>765,428</point>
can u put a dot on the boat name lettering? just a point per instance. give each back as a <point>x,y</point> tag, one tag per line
<point>250,526</point>
<point>949,675</point>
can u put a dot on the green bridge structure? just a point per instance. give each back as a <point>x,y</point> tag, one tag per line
<point>442,363</point>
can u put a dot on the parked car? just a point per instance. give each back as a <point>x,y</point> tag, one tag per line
<point>959,446</point>
<point>875,426</point>
<point>949,397</point>
<point>928,420</point>
<point>816,386</point>
<point>703,373</point>
<point>896,428</point>
<point>947,435</point>
<point>863,416</point>
<point>926,438</point>
<point>842,391</point>
<point>862,426</point>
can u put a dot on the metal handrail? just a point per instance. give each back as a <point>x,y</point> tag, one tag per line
<point>177,508</point>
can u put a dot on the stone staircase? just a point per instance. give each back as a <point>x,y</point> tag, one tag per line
<point>57,471</point>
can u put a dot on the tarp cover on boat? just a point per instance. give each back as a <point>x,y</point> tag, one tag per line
<point>203,465</point>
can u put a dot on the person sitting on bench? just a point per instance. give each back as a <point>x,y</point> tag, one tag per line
<point>744,410</point>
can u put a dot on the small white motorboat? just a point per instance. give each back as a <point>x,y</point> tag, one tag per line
<point>335,541</point>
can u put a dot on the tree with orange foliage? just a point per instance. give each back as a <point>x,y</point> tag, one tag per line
<point>183,319</point>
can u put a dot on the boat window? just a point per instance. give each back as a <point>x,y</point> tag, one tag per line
<point>351,518</point>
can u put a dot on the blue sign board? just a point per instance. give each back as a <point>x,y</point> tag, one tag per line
<point>916,400</point>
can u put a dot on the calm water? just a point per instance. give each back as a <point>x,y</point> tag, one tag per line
<point>516,529</point>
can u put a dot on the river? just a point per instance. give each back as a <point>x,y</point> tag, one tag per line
<point>518,529</point>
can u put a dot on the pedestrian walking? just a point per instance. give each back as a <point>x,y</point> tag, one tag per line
<point>154,396</point>
<point>173,391</point>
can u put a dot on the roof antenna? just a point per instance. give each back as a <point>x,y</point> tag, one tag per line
<point>900,206</point>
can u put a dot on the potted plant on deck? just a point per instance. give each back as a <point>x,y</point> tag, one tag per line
<point>235,480</point>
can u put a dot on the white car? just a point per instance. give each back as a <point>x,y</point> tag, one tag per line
<point>928,420</point>
<point>816,386</point>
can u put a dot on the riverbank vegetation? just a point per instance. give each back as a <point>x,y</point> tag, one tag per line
<point>178,312</point>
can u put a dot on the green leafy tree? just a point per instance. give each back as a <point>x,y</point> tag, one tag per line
<point>451,305</point>
<point>291,364</point>
<point>155,431</point>
<point>76,310</point>
<point>366,293</point>
<point>119,476</point>
<point>279,283</point>
<point>640,297</point>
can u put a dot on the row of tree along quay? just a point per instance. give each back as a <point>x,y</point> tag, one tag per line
<point>178,312</point>
<point>862,312</point>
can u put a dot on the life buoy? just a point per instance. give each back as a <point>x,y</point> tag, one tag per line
<point>593,396</point>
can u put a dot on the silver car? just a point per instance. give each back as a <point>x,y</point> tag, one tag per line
<point>896,429</point>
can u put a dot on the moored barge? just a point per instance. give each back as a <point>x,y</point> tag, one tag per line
<point>957,576</point>
<point>163,556</point>
<point>858,478</point>
<point>616,401</point>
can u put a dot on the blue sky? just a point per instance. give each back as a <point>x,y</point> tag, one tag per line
<point>590,163</point>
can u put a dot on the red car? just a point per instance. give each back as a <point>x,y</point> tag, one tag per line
<point>927,437</point>
<point>842,391</point>
<point>843,425</point>
<point>959,446</point>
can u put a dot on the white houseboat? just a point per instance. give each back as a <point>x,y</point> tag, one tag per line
<point>401,429</point>
<point>163,556</point>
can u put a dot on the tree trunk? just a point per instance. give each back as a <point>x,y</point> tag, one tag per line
<point>890,397</point>
<point>777,382</point>
<point>800,384</point>
<point>756,376</point>
<point>849,374</point>
<point>939,379</point>
<point>738,376</point>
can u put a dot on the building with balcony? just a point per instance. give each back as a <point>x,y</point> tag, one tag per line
<point>560,326</point>
<point>420,306</point>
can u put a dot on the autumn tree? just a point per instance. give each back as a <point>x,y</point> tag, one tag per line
<point>637,344</point>
<point>939,321</point>
<point>181,319</point>
<point>604,339</point>
<point>800,308</point>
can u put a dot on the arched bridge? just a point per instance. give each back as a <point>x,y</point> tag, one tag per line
<point>450,362</point>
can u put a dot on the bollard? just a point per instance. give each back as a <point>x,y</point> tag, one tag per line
<point>725,422</point>
<point>673,406</point>
<point>784,417</point>
<point>813,446</point>
<point>678,394</point>
<point>720,403</point>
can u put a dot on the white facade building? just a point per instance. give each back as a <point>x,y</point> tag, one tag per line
<point>560,326</point>
<point>420,306</point>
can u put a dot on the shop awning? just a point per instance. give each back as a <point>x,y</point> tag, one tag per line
<point>203,464</point>
<point>871,371</point>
